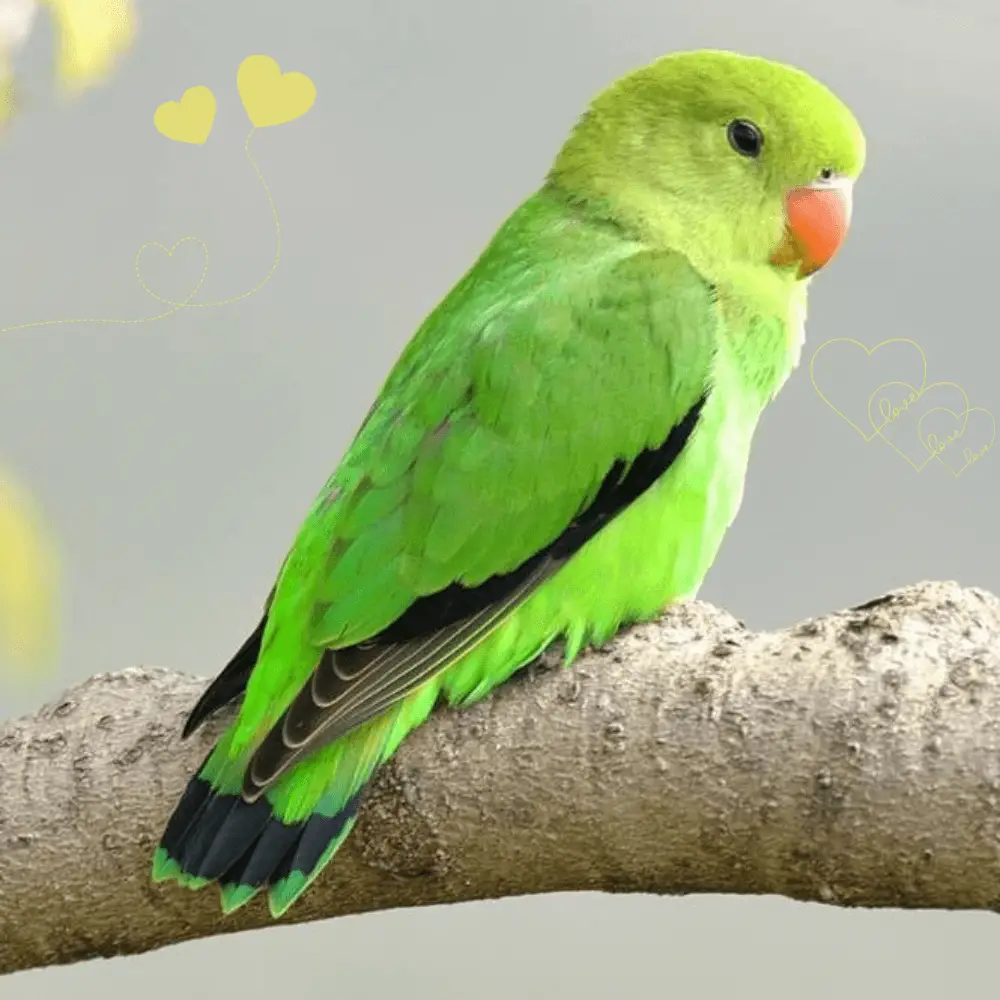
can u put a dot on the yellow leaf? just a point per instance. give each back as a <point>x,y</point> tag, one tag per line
<point>28,581</point>
<point>92,33</point>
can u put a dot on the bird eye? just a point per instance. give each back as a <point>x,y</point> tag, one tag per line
<point>825,174</point>
<point>745,137</point>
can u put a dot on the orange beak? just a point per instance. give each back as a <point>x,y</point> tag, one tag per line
<point>816,222</point>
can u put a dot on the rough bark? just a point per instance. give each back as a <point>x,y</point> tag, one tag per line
<point>853,759</point>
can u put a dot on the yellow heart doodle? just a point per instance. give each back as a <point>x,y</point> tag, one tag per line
<point>869,351</point>
<point>189,119</point>
<point>942,446</point>
<point>890,414</point>
<point>170,252</point>
<point>270,96</point>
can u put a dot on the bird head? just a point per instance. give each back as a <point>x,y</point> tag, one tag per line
<point>726,157</point>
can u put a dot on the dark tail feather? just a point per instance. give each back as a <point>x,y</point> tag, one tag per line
<point>245,847</point>
<point>215,835</point>
<point>230,684</point>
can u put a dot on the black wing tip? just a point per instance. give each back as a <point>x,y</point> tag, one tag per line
<point>212,700</point>
<point>875,602</point>
<point>197,715</point>
<point>230,684</point>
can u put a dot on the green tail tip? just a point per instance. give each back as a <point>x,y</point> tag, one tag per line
<point>283,894</point>
<point>192,881</point>
<point>235,896</point>
<point>165,869</point>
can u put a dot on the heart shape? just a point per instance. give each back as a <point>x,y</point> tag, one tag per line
<point>189,119</point>
<point>170,252</point>
<point>981,437</point>
<point>890,414</point>
<point>867,434</point>
<point>270,96</point>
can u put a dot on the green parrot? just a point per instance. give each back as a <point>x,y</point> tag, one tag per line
<point>557,452</point>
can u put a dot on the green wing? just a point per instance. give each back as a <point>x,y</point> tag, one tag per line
<point>496,429</point>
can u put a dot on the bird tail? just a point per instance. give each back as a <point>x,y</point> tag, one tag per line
<point>280,843</point>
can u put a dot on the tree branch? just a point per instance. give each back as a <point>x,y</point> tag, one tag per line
<point>853,759</point>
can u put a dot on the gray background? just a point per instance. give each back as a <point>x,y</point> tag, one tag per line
<point>177,458</point>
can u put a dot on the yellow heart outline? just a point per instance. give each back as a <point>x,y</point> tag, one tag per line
<point>920,394</point>
<point>271,97</point>
<point>967,453</point>
<point>194,291</point>
<point>869,351</point>
<point>188,120</point>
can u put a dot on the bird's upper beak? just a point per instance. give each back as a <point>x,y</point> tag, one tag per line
<point>817,218</point>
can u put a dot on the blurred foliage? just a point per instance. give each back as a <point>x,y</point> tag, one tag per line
<point>28,583</point>
<point>91,34</point>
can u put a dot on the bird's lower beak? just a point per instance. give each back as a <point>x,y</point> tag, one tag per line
<point>817,218</point>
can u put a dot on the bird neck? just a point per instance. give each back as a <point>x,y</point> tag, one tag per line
<point>716,241</point>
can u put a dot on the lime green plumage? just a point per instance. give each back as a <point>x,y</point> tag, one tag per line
<point>593,329</point>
